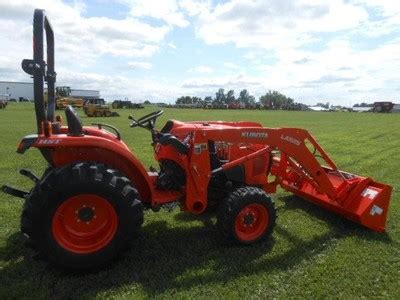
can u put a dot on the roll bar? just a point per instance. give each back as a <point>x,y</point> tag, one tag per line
<point>41,70</point>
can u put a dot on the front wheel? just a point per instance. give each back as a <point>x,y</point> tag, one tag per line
<point>80,216</point>
<point>246,216</point>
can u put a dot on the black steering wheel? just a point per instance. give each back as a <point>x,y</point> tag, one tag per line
<point>148,121</point>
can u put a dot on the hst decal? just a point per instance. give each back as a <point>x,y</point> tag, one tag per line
<point>49,142</point>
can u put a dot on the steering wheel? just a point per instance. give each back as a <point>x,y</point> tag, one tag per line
<point>148,121</point>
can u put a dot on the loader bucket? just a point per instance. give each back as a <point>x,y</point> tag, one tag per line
<point>304,168</point>
<point>370,208</point>
<point>361,200</point>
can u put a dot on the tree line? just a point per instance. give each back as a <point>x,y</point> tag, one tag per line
<point>222,99</point>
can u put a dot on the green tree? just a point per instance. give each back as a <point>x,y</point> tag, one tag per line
<point>208,99</point>
<point>230,97</point>
<point>244,96</point>
<point>326,105</point>
<point>252,100</point>
<point>188,100</point>
<point>184,100</point>
<point>246,99</point>
<point>196,100</point>
<point>220,97</point>
<point>276,100</point>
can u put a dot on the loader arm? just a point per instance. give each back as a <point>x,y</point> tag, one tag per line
<point>296,167</point>
<point>292,142</point>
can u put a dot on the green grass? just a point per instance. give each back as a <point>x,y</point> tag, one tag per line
<point>313,253</point>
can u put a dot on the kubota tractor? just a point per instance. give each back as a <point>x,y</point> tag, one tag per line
<point>90,200</point>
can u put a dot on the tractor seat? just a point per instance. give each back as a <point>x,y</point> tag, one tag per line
<point>169,139</point>
<point>168,127</point>
<point>73,121</point>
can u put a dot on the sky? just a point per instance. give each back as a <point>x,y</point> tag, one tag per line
<point>342,52</point>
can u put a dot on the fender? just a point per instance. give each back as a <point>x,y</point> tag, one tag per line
<point>26,143</point>
<point>67,149</point>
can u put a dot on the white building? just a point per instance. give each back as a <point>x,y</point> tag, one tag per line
<point>85,93</point>
<point>318,108</point>
<point>16,90</point>
<point>362,108</point>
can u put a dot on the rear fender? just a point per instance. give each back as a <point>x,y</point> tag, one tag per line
<point>69,149</point>
<point>26,143</point>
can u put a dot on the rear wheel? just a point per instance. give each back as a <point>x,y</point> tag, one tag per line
<point>80,216</point>
<point>84,223</point>
<point>246,216</point>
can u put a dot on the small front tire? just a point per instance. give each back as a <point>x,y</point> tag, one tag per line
<point>246,216</point>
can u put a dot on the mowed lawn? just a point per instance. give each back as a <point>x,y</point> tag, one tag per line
<point>313,253</point>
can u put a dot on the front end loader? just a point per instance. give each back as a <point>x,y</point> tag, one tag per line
<point>89,202</point>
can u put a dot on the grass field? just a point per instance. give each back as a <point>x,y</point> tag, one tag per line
<point>312,254</point>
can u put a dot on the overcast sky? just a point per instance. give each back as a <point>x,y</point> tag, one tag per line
<point>338,51</point>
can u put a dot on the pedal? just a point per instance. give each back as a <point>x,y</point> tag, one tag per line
<point>28,173</point>
<point>14,192</point>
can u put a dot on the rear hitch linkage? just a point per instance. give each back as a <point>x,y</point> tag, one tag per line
<point>17,192</point>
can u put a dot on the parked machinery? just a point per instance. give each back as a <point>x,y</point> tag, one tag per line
<point>98,108</point>
<point>3,101</point>
<point>63,98</point>
<point>125,104</point>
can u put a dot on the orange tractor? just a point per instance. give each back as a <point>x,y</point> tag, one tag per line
<point>90,200</point>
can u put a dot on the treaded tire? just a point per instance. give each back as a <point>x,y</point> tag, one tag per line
<point>58,187</point>
<point>232,207</point>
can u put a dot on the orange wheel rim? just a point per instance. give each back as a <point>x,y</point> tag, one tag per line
<point>251,222</point>
<point>84,223</point>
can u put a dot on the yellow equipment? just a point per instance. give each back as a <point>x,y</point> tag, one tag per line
<point>98,108</point>
<point>63,98</point>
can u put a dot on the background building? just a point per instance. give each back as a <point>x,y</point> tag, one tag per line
<point>87,94</point>
<point>17,90</point>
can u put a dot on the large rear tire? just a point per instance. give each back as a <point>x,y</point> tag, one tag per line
<point>246,216</point>
<point>80,216</point>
